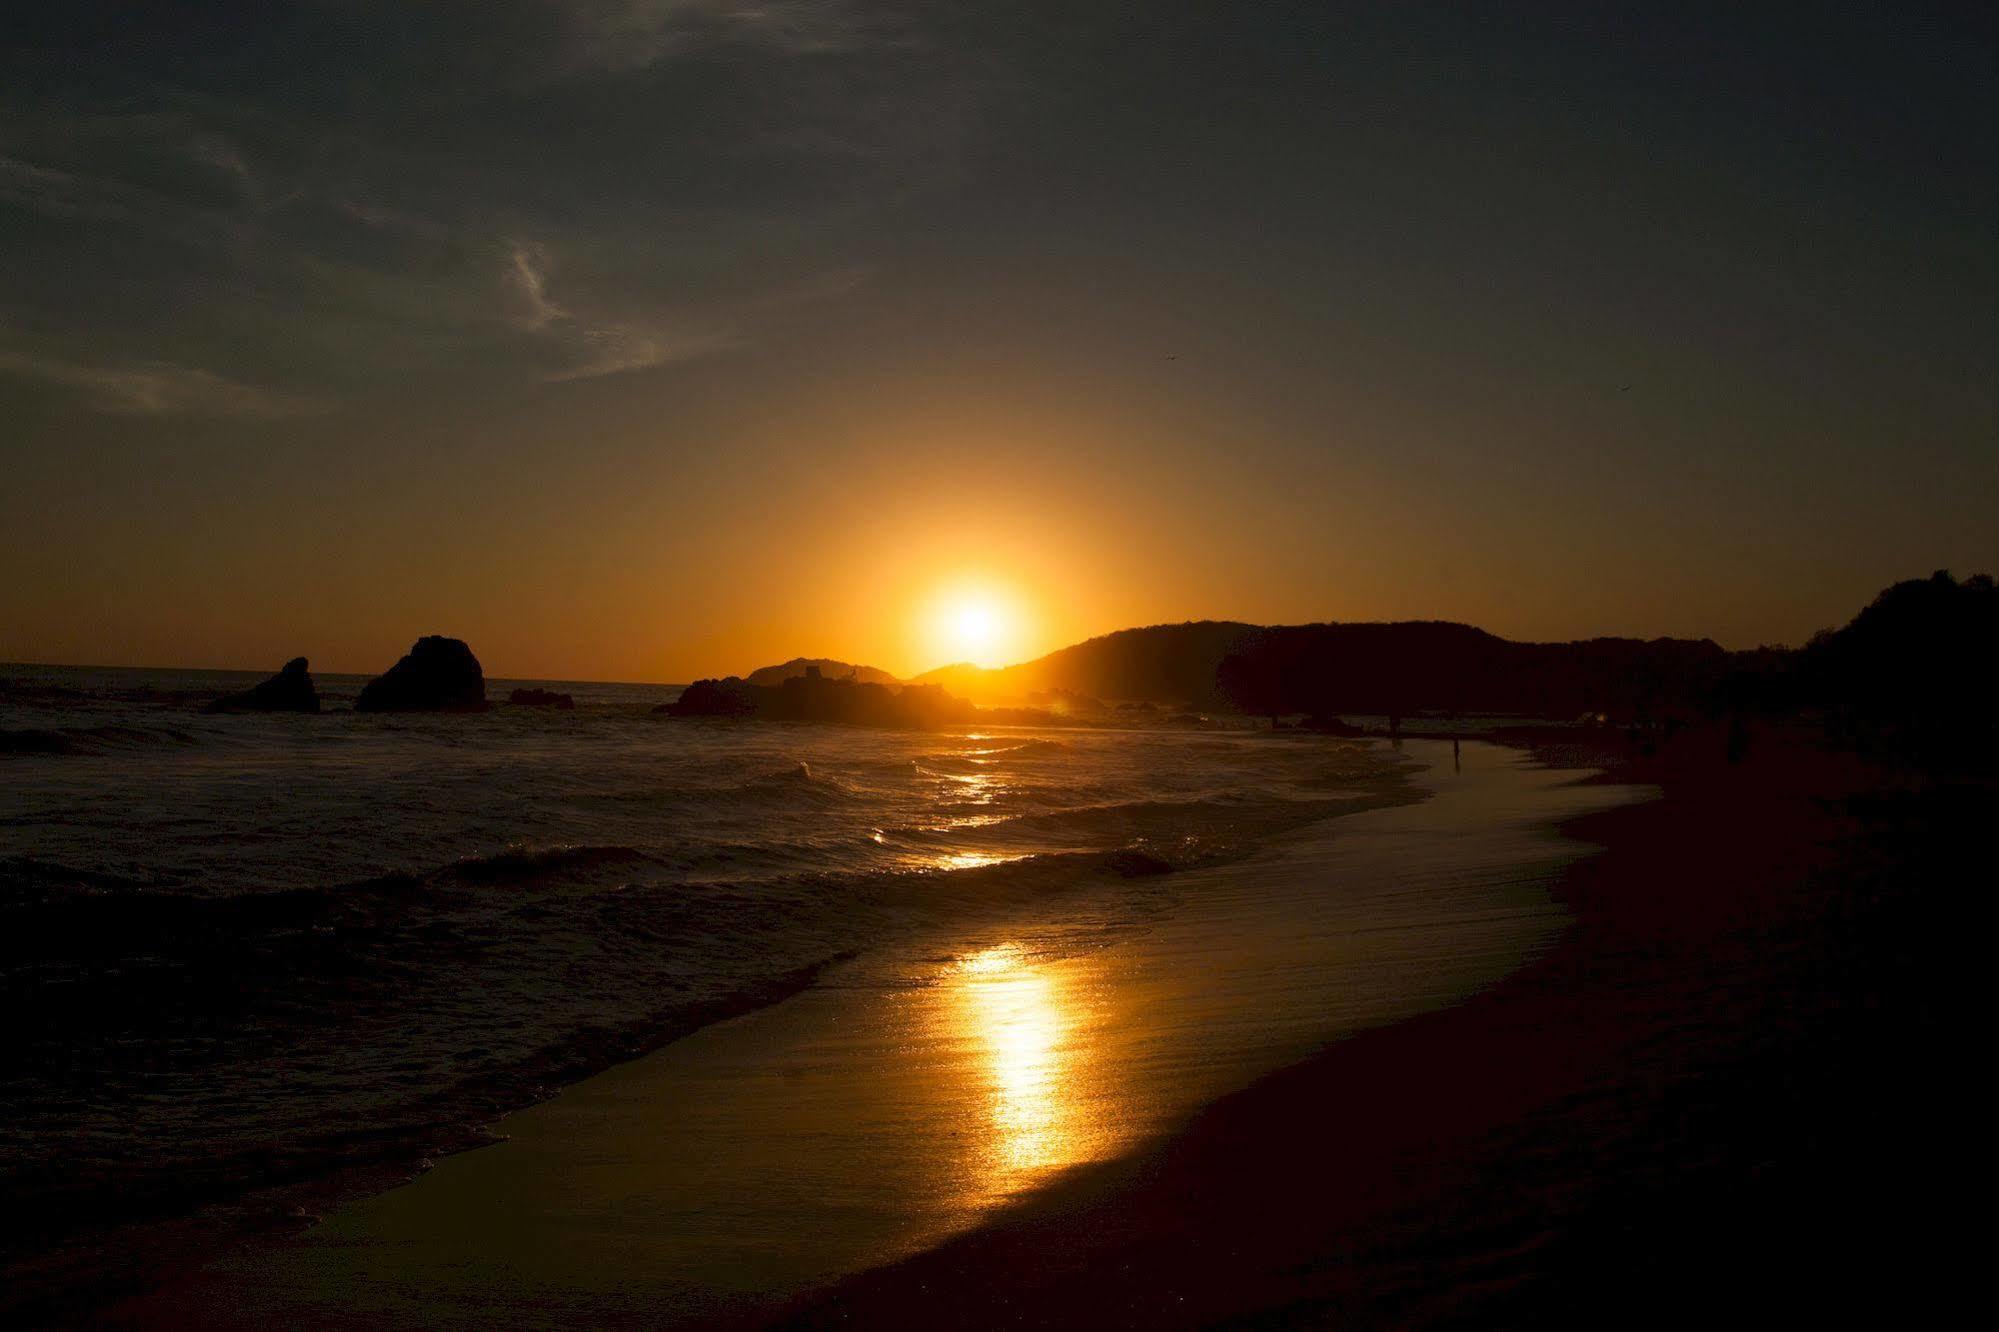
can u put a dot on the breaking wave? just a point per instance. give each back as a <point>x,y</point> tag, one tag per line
<point>93,739</point>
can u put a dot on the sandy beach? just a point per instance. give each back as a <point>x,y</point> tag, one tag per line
<point>910,1097</point>
<point>1729,1092</point>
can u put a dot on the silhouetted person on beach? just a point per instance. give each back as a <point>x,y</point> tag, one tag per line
<point>1457,761</point>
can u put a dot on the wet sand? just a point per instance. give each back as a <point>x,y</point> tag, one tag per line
<point>1734,1092</point>
<point>912,1096</point>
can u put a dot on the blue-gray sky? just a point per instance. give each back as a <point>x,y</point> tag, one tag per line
<point>649,338</point>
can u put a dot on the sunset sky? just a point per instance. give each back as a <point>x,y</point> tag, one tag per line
<point>649,339</point>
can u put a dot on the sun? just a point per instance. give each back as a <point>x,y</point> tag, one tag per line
<point>974,629</point>
<point>977,623</point>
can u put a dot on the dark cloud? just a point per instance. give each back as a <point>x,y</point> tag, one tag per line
<point>360,191</point>
<point>1437,240</point>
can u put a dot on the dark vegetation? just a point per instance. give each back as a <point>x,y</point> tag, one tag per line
<point>1913,675</point>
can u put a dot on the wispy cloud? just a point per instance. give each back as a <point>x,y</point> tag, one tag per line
<point>616,349</point>
<point>219,155</point>
<point>351,253</point>
<point>156,388</point>
<point>597,344</point>
<point>633,34</point>
<point>527,272</point>
<point>64,194</point>
<point>829,285</point>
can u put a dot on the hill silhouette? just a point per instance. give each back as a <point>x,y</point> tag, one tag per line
<point>1365,668</point>
<point>1399,668</point>
<point>1910,675</point>
<point>1162,663</point>
<point>1911,672</point>
<point>769,677</point>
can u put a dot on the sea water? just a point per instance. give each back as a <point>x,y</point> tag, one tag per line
<point>242,952</point>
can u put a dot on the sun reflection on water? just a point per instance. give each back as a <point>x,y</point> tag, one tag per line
<point>1025,1020</point>
<point>955,860</point>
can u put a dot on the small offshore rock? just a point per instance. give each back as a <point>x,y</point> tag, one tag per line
<point>290,690</point>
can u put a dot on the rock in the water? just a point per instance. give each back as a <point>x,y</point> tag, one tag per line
<point>771,677</point>
<point>812,697</point>
<point>540,698</point>
<point>438,675</point>
<point>290,690</point>
<point>714,698</point>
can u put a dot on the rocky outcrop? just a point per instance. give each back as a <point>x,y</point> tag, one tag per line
<point>814,698</point>
<point>715,698</point>
<point>290,690</point>
<point>540,698</point>
<point>771,677</point>
<point>437,675</point>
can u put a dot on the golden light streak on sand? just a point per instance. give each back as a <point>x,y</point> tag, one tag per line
<point>1017,1011</point>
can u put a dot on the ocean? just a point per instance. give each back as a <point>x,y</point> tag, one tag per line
<point>247,956</point>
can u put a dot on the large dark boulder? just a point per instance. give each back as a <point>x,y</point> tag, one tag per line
<point>438,675</point>
<point>290,690</point>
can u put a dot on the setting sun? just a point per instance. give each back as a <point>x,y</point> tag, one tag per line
<point>974,622</point>
<point>974,626</point>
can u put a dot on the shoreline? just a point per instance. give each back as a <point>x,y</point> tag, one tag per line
<point>81,1245</point>
<point>884,1050</point>
<point>1654,1119</point>
<point>91,1271</point>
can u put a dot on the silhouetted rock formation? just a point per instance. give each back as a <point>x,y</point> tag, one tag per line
<point>290,690</point>
<point>812,697</point>
<point>732,697</point>
<point>438,675</point>
<point>771,677</point>
<point>540,698</point>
